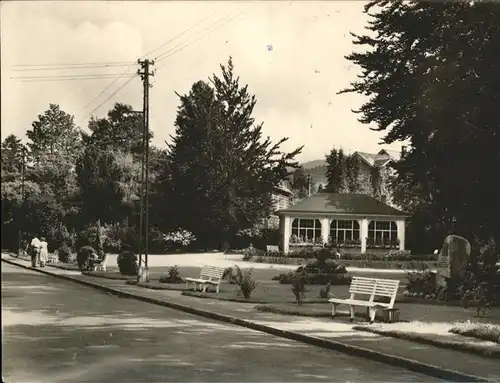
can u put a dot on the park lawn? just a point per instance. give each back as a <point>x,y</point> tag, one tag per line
<point>442,334</point>
<point>267,292</point>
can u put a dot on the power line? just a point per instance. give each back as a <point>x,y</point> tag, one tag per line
<point>75,76</point>
<point>106,88</point>
<point>206,32</point>
<point>110,63</point>
<point>111,95</point>
<point>94,66</point>
<point>143,56</point>
<point>180,34</point>
<point>71,79</point>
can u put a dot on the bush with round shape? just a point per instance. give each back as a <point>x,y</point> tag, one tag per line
<point>173,276</point>
<point>83,255</point>
<point>64,253</point>
<point>127,263</point>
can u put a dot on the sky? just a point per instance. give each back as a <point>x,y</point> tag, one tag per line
<point>290,53</point>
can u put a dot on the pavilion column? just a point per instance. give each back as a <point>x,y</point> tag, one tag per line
<point>401,233</point>
<point>325,229</point>
<point>363,233</point>
<point>286,232</point>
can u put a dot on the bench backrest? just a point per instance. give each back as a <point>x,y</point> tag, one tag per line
<point>272,248</point>
<point>375,287</point>
<point>212,273</point>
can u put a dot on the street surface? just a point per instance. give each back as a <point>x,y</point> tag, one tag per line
<point>58,331</point>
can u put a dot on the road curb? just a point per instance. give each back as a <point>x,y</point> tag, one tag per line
<point>398,361</point>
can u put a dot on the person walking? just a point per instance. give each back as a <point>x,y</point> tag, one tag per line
<point>34,251</point>
<point>44,252</point>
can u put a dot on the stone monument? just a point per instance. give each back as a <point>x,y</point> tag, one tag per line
<point>452,259</point>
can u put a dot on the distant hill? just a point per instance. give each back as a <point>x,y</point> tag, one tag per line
<point>317,170</point>
<point>313,164</point>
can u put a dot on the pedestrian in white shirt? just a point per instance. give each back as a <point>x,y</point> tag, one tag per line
<point>35,251</point>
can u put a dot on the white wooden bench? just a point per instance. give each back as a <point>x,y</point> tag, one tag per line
<point>103,265</point>
<point>209,276</point>
<point>53,257</point>
<point>371,287</point>
<point>272,249</point>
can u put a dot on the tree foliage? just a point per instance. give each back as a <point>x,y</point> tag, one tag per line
<point>222,172</point>
<point>300,183</point>
<point>54,132</point>
<point>100,179</point>
<point>12,154</point>
<point>429,70</point>
<point>122,130</point>
<point>342,172</point>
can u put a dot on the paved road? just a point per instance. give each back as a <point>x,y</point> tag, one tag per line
<point>58,331</point>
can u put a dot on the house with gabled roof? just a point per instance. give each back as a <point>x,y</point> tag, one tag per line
<point>342,220</point>
<point>379,164</point>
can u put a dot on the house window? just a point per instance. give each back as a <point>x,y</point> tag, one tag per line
<point>382,232</point>
<point>306,230</point>
<point>344,230</point>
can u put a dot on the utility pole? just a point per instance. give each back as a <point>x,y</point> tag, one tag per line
<point>23,167</point>
<point>144,72</point>
<point>309,185</point>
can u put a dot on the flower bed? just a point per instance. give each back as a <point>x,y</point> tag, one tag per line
<point>483,331</point>
<point>435,334</point>
<point>359,263</point>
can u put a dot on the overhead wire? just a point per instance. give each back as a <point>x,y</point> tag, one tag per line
<point>67,77</point>
<point>182,46</point>
<point>56,65</point>
<point>146,54</point>
<point>109,97</point>
<point>69,67</point>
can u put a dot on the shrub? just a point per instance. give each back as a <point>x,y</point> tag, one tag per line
<point>173,276</point>
<point>421,283</point>
<point>233,276</point>
<point>244,281</point>
<point>328,267</point>
<point>315,279</point>
<point>251,252</point>
<point>247,284</point>
<point>298,288</point>
<point>324,293</point>
<point>127,263</point>
<point>83,256</point>
<point>64,253</point>
<point>487,332</point>
<point>481,279</point>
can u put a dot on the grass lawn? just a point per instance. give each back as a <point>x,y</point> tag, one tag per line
<point>317,310</point>
<point>155,285</point>
<point>267,292</point>
<point>443,335</point>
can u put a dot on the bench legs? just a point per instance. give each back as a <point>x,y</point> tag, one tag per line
<point>334,308</point>
<point>351,312</point>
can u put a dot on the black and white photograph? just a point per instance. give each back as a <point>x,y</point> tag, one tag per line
<point>250,191</point>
